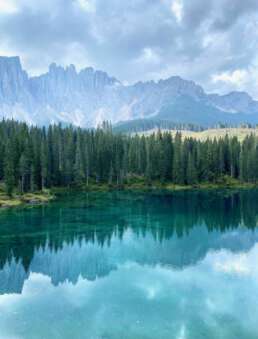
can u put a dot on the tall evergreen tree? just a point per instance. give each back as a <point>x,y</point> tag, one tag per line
<point>9,172</point>
<point>34,158</point>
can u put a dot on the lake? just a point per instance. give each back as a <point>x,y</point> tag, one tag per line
<point>131,265</point>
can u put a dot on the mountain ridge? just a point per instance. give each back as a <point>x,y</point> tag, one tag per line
<point>87,97</point>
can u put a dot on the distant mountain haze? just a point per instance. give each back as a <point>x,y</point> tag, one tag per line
<point>86,98</point>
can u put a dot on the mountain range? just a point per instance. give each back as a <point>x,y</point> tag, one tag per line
<point>86,98</point>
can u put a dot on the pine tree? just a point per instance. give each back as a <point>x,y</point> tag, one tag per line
<point>78,166</point>
<point>43,163</point>
<point>148,172</point>
<point>191,176</point>
<point>177,170</point>
<point>9,172</point>
<point>34,158</point>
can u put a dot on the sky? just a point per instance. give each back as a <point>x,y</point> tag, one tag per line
<point>212,42</point>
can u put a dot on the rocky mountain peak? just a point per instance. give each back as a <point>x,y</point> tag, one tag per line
<point>88,96</point>
<point>13,80</point>
<point>7,63</point>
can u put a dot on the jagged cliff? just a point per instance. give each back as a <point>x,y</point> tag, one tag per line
<point>88,97</point>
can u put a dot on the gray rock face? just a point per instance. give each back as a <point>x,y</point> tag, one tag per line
<point>88,97</point>
<point>14,82</point>
<point>235,102</point>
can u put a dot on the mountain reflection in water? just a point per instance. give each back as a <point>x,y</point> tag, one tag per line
<point>90,235</point>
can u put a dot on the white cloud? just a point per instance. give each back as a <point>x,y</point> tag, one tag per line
<point>87,5</point>
<point>237,77</point>
<point>235,265</point>
<point>148,56</point>
<point>208,40</point>
<point>177,10</point>
<point>241,264</point>
<point>206,282</point>
<point>8,7</point>
<point>138,40</point>
<point>182,331</point>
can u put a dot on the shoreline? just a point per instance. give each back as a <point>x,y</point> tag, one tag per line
<point>38,198</point>
<point>27,199</point>
<point>155,186</point>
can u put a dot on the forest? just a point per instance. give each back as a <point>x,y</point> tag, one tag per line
<point>34,158</point>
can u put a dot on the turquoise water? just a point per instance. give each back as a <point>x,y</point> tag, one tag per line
<point>131,265</point>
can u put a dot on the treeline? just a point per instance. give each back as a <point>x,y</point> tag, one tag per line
<point>142,125</point>
<point>33,158</point>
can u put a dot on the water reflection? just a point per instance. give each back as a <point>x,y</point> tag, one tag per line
<point>120,265</point>
<point>90,235</point>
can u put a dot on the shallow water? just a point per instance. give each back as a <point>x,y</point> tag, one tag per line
<point>131,265</point>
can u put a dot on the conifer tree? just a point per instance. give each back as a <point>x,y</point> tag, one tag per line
<point>9,172</point>
<point>34,158</point>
